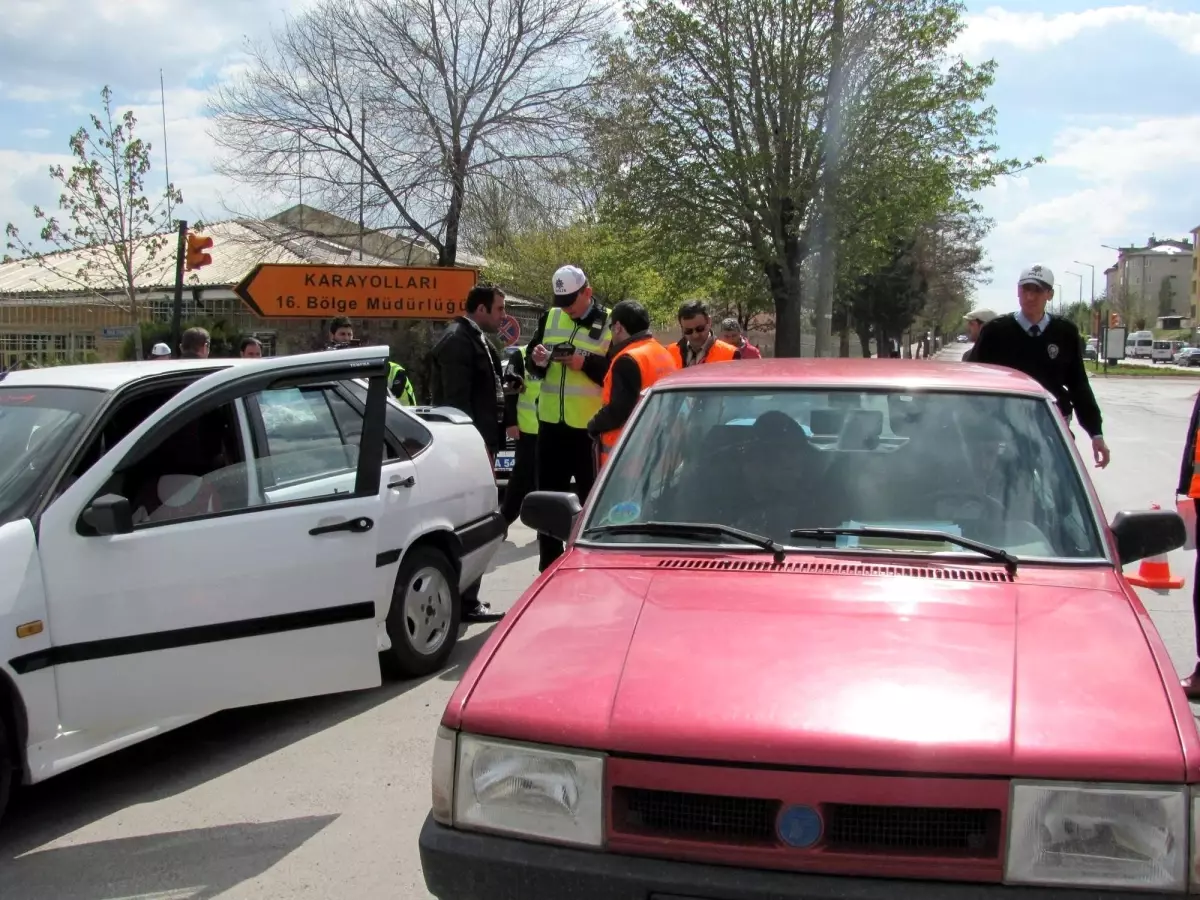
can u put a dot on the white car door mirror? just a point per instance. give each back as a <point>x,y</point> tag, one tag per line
<point>109,514</point>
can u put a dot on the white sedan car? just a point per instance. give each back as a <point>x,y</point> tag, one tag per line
<point>182,537</point>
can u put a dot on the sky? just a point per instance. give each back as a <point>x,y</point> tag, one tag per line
<point>1108,93</point>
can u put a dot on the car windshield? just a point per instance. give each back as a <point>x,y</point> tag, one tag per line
<point>991,469</point>
<point>35,425</point>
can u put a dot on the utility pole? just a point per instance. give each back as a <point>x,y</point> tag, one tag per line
<point>827,276</point>
<point>177,306</point>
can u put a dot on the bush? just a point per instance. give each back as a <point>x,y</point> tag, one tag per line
<point>223,337</point>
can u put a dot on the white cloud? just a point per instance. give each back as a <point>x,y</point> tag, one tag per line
<point>35,134</point>
<point>1104,185</point>
<point>1038,31</point>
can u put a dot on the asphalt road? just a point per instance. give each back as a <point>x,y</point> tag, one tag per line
<point>324,798</point>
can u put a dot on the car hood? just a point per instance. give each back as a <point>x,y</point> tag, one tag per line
<point>1046,675</point>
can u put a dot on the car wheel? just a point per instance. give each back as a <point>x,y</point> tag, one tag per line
<point>8,764</point>
<point>425,614</point>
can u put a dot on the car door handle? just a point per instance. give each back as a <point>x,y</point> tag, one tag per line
<point>355,526</point>
<point>403,483</point>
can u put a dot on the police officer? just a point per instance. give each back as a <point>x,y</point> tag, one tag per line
<point>570,353</point>
<point>522,478</point>
<point>341,334</point>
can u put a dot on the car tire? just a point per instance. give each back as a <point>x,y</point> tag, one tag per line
<point>425,614</point>
<point>8,763</point>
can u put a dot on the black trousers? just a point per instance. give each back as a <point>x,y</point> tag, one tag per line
<point>563,452</point>
<point>522,478</point>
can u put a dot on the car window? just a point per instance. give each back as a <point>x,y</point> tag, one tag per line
<point>303,440</point>
<point>36,426</point>
<point>350,422</point>
<point>996,469</point>
<point>403,425</point>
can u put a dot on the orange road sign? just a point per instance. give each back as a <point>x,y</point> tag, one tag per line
<point>299,290</point>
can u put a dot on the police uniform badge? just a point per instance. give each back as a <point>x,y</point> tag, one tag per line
<point>1052,349</point>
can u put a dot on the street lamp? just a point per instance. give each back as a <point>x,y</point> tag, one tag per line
<point>1093,268</point>
<point>1080,277</point>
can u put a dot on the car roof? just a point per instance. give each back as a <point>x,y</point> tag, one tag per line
<point>863,374</point>
<point>109,376</point>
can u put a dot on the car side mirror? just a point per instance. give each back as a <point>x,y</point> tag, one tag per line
<point>1144,533</point>
<point>109,514</point>
<point>551,513</point>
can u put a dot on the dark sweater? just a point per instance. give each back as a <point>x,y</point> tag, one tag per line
<point>1054,359</point>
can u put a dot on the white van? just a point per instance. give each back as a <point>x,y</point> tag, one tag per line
<point>1140,345</point>
<point>1164,351</point>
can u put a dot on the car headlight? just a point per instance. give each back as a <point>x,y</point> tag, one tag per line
<point>1098,835</point>
<point>534,791</point>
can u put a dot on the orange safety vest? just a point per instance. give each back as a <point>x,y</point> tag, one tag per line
<point>653,362</point>
<point>1194,483</point>
<point>718,352</point>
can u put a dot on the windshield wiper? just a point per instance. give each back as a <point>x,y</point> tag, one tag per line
<point>692,529</point>
<point>942,537</point>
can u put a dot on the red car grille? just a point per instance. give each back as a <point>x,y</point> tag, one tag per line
<point>898,826</point>
<point>852,828</point>
<point>856,569</point>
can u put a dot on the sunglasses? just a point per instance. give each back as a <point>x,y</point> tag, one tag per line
<point>699,329</point>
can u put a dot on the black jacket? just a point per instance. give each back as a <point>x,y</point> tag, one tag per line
<point>626,387</point>
<point>463,375</point>
<point>1054,359</point>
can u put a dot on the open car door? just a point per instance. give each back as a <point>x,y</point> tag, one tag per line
<point>177,586</point>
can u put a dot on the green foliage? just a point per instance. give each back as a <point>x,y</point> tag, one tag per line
<point>712,127</point>
<point>224,338</point>
<point>112,228</point>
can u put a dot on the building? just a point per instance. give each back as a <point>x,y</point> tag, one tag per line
<point>1195,292</point>
<point>1154,281</point>
<point>49,315</point>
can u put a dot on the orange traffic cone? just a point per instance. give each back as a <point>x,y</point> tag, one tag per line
<point>1155,572</point>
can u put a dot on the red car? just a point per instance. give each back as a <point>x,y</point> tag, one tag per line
<point>826,628</point>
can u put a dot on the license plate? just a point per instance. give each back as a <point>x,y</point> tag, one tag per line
<point>505,462</point>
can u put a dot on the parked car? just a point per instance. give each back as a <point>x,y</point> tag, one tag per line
<point>1165,351</point>
<point>1091,349</point>
<point>182,537</point>
<point>875,642</point>
<point>1188,356</point>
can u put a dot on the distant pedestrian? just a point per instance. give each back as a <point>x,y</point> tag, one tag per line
<point>975,320</point>
<point>194,344</point>
<point>467,370</point>
<point>1048,349</point>
<point>698,344</point>
<point>160,352</point>
<point>250,348</point>
<point>341,333</point>
<point>732,334</point>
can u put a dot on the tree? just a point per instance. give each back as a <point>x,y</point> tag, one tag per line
<point>113,229</point>
<point>1166,296</point>
<point>731,100</point>
<point>400,109</point>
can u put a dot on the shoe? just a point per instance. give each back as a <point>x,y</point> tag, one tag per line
<point>1191,686</point>
<point>480,612</point>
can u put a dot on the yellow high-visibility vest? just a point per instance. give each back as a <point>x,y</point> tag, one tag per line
<point>527,404</point>
<point>569,396</point>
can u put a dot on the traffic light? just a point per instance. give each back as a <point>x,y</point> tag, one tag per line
<point>196,257</point>
<point>1113,320</point>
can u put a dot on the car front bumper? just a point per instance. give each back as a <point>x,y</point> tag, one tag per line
<point>461,865</point>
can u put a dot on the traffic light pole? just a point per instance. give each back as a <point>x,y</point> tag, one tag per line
<point>177,306</point>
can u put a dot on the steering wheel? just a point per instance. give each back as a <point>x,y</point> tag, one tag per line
<point>968,500</point>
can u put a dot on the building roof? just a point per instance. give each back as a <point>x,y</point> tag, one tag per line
<point>860,374</point>
<point>237,247</point>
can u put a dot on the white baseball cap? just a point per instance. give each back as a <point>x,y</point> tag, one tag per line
<point>568,280</point>
<point>160,349</point>
<point>979,314</point>
<point>1037,275</point>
